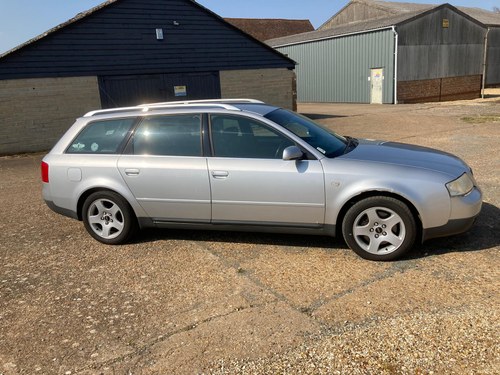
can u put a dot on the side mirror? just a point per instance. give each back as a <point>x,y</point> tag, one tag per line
<point>292,153</point>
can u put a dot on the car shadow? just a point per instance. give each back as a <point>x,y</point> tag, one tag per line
<point>247,238</point>
<point>485,234</point>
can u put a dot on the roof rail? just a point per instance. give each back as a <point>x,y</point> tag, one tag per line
<point>166,105</point>
<point>114,110</point>
<point>208,101</point>
<point>147,107</point>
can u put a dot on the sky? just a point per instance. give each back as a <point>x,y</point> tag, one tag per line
<point>21,20</point>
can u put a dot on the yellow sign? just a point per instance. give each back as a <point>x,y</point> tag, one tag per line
<point>180,90</point>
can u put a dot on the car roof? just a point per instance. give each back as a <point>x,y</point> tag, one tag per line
<point>260,109</point>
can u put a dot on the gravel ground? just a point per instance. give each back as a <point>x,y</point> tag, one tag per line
<point>177,302</point>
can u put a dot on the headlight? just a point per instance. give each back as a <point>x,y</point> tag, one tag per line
<point>461,186</point>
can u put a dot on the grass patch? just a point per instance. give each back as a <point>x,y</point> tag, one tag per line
<point>481,119</point>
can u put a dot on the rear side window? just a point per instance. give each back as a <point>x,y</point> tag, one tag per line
<point>175,135</point>
<point>101,137</point>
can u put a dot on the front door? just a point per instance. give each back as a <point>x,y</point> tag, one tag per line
<point>250,182</point>
<point>164,168</point>
<point>377,85</point>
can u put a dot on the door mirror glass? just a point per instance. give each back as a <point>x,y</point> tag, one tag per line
<point>292,153</point>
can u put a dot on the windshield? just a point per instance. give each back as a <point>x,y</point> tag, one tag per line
<point>322,139</point>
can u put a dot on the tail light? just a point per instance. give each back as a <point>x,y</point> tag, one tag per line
<point>45,172</point>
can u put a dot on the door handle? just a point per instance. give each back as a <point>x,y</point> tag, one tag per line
<point>132,172</point>
<point>220,174</point>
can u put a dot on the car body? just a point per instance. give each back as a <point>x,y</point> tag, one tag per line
<point>242,164</point>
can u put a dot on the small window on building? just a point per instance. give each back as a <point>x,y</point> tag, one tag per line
<point>178,135</point>
<point>101,137</point>
<point>446,23</point>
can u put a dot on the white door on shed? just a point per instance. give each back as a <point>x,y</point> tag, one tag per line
<point>377,84</point>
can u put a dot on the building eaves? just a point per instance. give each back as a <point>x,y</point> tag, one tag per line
<point>76,18</point>
<point>107,3</point>
<point>344,30</point>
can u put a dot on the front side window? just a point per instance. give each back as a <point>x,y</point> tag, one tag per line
<point>175,135</point>
<point>241,137</point>
<point>101,137</point>
<point>322,139</point>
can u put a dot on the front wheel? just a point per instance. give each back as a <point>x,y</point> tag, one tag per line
<point>108,218</point>
<point>379,228</point>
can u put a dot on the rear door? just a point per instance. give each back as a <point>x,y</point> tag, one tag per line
<point>250,182</point>
<point>164,168</point>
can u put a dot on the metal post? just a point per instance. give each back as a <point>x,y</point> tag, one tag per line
<point>396,40</point>
<point>485,61</point>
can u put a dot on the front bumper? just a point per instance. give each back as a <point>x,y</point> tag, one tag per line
<point>452,227</point>
<point>464,211</point>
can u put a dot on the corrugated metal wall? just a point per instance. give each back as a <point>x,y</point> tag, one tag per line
<point>427,50</point>
<point>493,70</point>
<point>337,70</point>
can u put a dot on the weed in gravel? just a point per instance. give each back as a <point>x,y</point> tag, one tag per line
<point>481,119</point>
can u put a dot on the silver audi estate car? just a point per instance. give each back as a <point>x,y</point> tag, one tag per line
<point>245,165</point>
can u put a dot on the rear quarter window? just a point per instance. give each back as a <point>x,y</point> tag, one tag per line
<point>101,137</point>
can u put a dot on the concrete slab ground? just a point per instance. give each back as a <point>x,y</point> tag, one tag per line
<point>179,302</point>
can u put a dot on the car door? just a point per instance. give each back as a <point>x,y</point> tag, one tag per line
<point>164,167</point>
<point>252,184</point>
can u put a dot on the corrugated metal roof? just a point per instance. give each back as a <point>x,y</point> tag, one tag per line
<point>266,28</point>
<point>484,16</point>
<point>398,7</point>
<point>402,12</point>
<point>351,28</point>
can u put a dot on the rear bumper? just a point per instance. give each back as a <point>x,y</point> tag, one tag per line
<point>61,211</point>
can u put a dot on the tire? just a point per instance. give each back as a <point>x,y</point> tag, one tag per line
<point>109,218</point>
<point>379,228</point>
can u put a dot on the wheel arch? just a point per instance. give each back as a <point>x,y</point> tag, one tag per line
<point>87,193</point>
<point>377,193</point>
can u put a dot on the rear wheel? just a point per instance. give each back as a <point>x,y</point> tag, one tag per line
<point>379,228</point>
<point>108,218</point>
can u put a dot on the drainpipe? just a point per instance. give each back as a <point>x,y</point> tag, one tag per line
<point>396,38</point>
<point>485,61</point>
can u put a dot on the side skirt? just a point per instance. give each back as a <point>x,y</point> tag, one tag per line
<point>289,228</point>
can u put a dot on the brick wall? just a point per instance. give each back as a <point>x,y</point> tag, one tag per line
<point>273,86</point>
<point>34,113</point>
<point>439,90</point>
